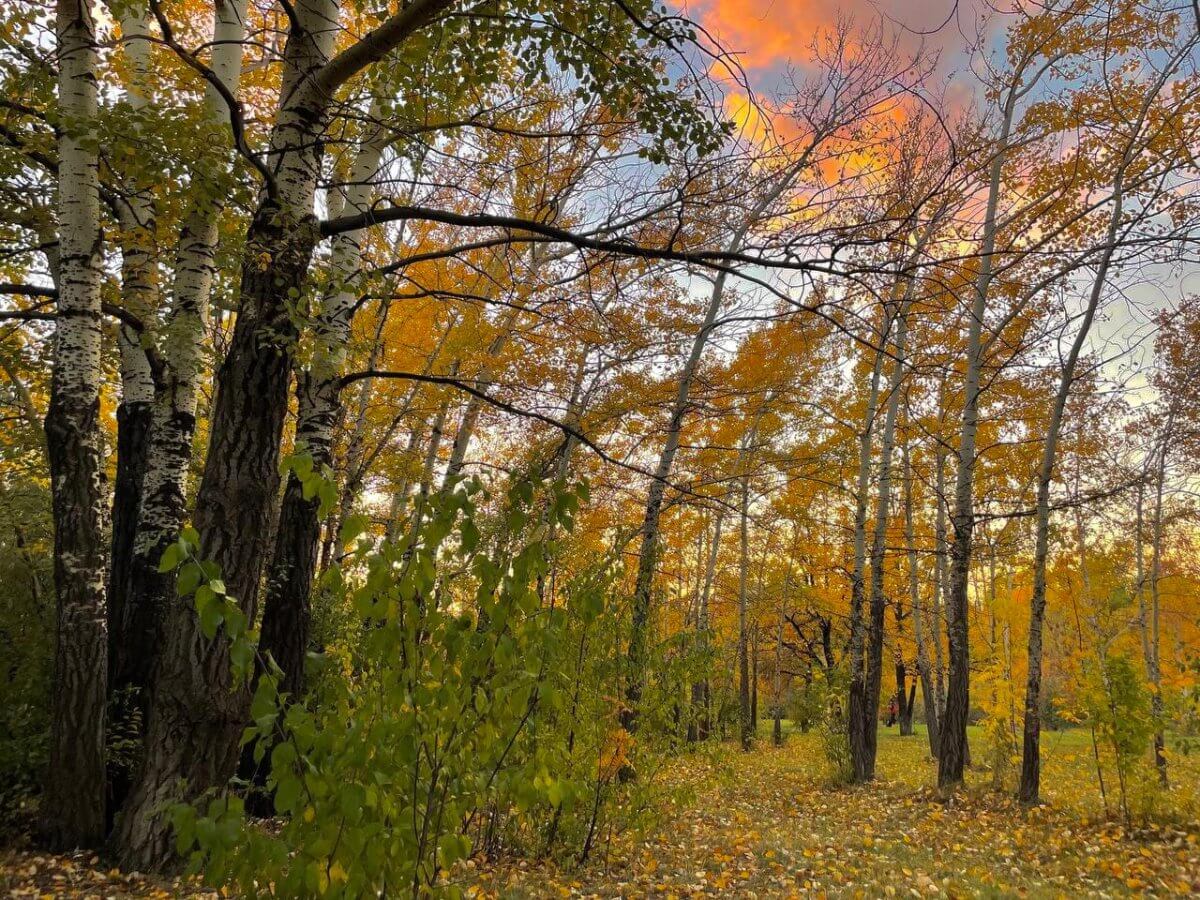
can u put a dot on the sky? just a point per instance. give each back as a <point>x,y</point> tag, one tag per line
<point>768,37</point>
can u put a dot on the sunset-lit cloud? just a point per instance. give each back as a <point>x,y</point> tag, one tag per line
<point>767,35</point>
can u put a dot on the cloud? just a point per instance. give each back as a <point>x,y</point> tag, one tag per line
<point>768,34</point>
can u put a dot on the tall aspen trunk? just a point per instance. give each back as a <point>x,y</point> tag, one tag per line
<point>863,754</point>
<point>904,698</point>
<point>196,714</point>
<point>648,551</point>
<point>777,691</point>
<point>127,655</point>
<point>73,805</point>
<point>700,689</point>
<point>139,295</point>
<point>754,684</point>
<point>859,717</point>
<point>941,581</point>
<point>1030,764</point>
<point>953,756</point>
<point>746,712</point>
<point>745,690</point>
<point>1154,670</point>
<point>924,673</point>
<point>1029,790</point>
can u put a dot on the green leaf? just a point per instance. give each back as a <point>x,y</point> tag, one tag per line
<point>211,617</point>
<point>327,491</point>
<point>470,535</point>
<point>353,527</point>
<point>288,792</point>
<point>189,579</point>
<point>171,558</point>
<point>241,655</point>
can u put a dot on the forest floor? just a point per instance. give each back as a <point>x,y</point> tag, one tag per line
<point>768,824</point>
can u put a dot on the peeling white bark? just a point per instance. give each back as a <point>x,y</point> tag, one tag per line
<point>169,454</point>
<point>74,801</point>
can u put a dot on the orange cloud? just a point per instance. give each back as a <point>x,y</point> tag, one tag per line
<point>768,33</point>
<point>764,33</point>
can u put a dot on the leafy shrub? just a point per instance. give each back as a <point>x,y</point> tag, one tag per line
<point>26,647</point>
<point>997,702</point>
<point>833,725</point>
<point>1118,706</point>
<point>464,712</point>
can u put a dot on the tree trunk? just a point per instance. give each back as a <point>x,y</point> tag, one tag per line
<point>859,718</point>
<point>744,706</point>
<point>648,552</point>
<point>903,713</point>
<point>924,675</point>
<point>941,583</point>
<point>1030,786</point>
<point>1154,670</point>
<point>133,438</point>
<point>287,604</point>
<point>754,685</point>
<point>777,694</point>
<point>73,805</point>
<point>196,714</point>
<point>953,756</point>
<point>162,504</point>
<point>864,759</point>
<point>139,294</point>
<point>700,690</point>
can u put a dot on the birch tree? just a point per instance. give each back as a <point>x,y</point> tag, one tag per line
<point>74,801</point>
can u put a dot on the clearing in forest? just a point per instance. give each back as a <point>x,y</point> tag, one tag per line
<point>769,824</point>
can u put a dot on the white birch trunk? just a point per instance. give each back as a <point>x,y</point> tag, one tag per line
<point>73,805</point>
<point>163,505</point>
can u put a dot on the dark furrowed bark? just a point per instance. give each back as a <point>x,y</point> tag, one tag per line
<point>953,737</point>
<point>196,717</point>
<point>133,440</point>
<point>129,651</point>
<point>287,606</point>
<point>74,799</point>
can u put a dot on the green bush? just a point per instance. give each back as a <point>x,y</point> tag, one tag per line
<point>26,647</point>
<point>464,712</point>
<point>833,724</point>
